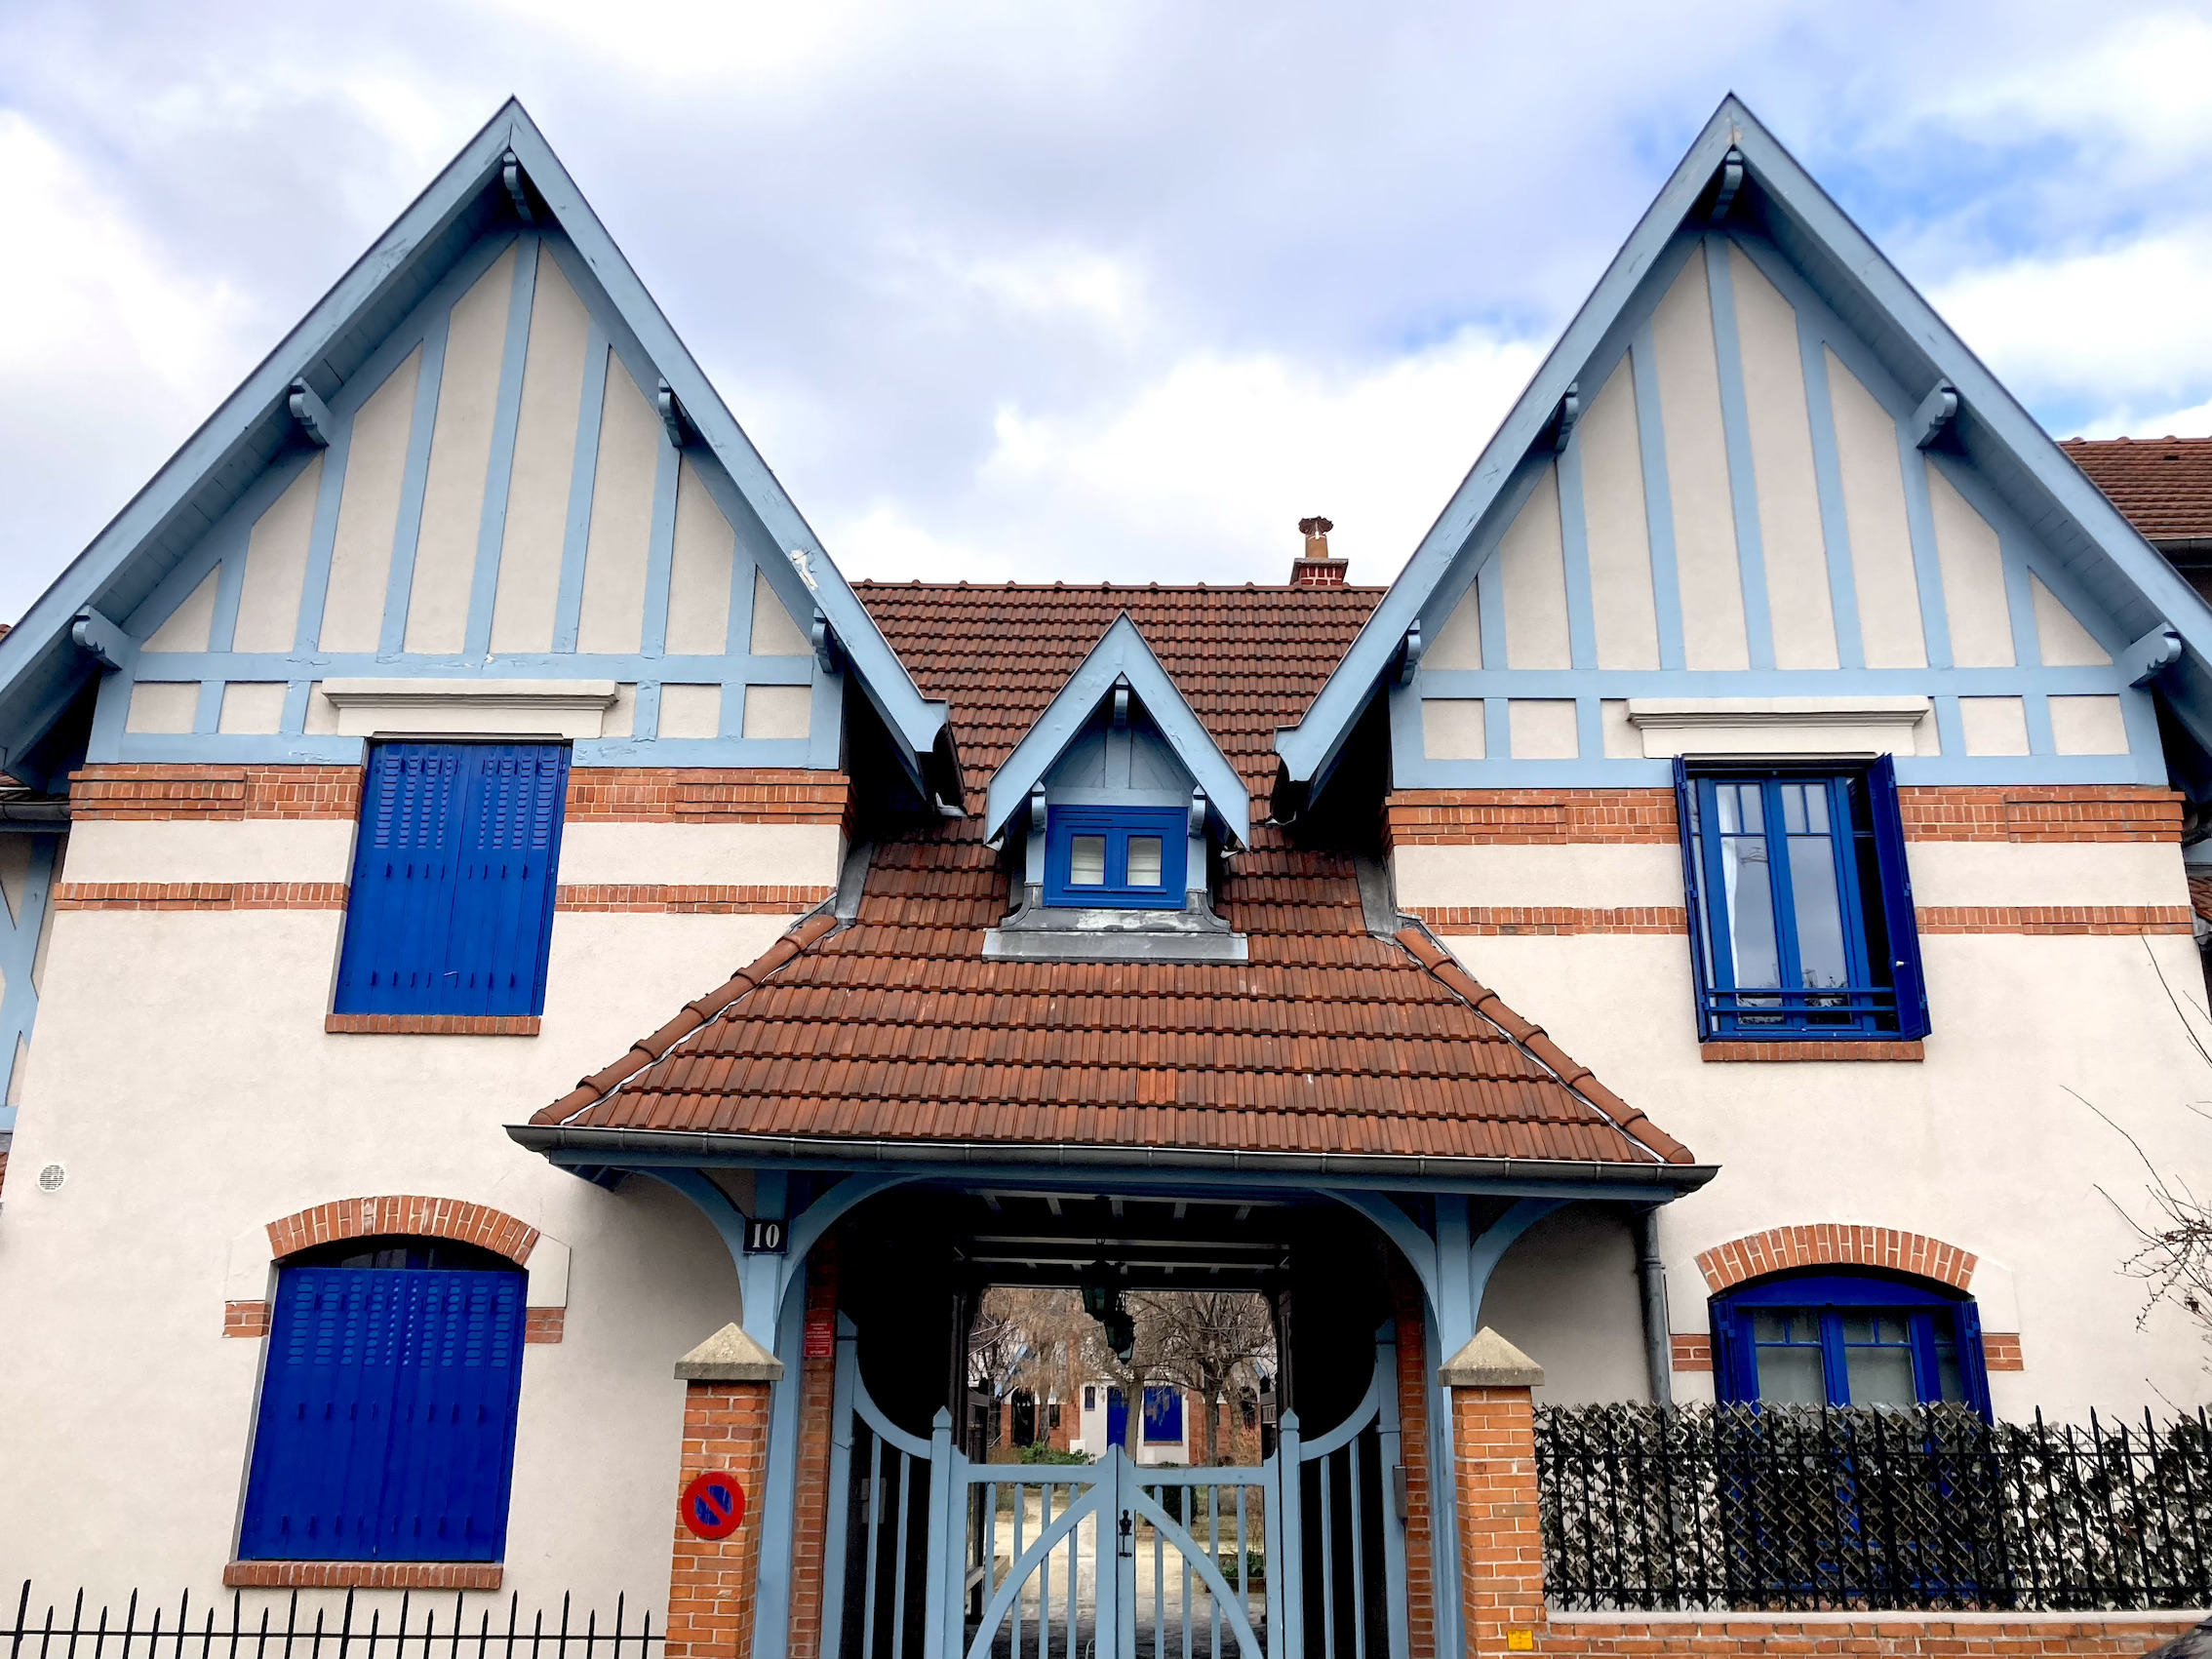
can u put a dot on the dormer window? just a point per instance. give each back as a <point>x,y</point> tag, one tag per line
<point>1119,857</point>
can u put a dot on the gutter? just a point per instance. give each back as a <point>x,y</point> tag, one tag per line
<point>34,813</point>
<point>607,1145</point>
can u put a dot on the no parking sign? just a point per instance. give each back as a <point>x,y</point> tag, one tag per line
<point>712,1505</point>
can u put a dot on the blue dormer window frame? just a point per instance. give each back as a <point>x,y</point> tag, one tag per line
<point>1847,1339</point>
<point>1115,827</point>
<point>1800,905</point>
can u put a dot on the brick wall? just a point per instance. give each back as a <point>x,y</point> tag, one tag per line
<point>1463,817</point>
<point>1501,1544</point>
<point>1409,1306</point>
<point>817,1383</point>
<point>706,795</point>
<point>712,1582</point>
<point>148,792</point>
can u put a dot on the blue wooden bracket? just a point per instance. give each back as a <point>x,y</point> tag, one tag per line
<point>310,414</point>
<point>671,414</point>
<point>2153,654</point>
<point>103,639</point>
<point>511,176</point>
<point>1935,415</point>
<point>1732,180</point>
<point>823,637</point>
<point>1409,654</point>
<point>1566,415</point>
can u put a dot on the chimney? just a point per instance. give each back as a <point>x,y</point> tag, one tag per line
<point>1315,567</point>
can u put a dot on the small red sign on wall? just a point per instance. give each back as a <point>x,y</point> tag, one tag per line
<point>712,1505</point>
<point>821,1335</point>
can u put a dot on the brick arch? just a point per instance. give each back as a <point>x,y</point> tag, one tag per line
<point>1831,1244</point>
<point>425,1217</point>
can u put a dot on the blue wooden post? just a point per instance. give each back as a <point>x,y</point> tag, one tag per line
<point>941,1604</point>
<point>1393,1460</point>
<point>837,1511</point>
<point>1287,1566</point>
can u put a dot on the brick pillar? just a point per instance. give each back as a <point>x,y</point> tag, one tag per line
<point>1501,1544</point>
<point>712,1582</point>
<point>1414,1450</point>
<point>817,1388</point>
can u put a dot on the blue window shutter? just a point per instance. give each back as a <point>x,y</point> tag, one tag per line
<point>1898,915</point>
<point>1686,817</point>
<point>503,893</point>
<point>1973,1363</point>
<point>451,910</point>
<point>388,1421</point>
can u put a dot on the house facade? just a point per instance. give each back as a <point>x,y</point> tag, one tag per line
<point>1775,714</point>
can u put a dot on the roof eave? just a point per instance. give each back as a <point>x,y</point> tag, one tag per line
<point>648,1148</point>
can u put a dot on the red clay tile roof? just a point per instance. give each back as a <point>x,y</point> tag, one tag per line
<point>2162,485</point>
<point>1329,1041</point>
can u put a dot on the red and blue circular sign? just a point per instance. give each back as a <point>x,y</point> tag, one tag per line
<point>712,1505</point>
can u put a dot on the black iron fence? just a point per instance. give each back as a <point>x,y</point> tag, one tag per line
<point>418,1628</point>
<point>1805,1507</point>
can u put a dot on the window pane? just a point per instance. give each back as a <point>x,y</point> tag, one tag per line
<point>1087,861</point>
<point>1749,898</point>
<point>1792,1376</point>
<point>1879,1376</point>
<point>1948,1377</point>
<point>1144,861</point>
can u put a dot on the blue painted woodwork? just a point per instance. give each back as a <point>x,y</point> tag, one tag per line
<point>1111,830</point>
<point>385,305</point>
<point>1120,656</point>
<point>387,1418</point>
<point>1162,1415</point>
<point>1824,265</point>
<point>1800,1339</point>
<point>1117,1417</point>
<point>451,910</point>
<point>19,927</point>
<point>1801,914</point>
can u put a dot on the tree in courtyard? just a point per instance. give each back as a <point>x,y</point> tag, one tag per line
<point>1210,1343</point>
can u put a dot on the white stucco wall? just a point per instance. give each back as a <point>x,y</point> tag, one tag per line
<point>1993,1143</point>
<point>183,1077</point>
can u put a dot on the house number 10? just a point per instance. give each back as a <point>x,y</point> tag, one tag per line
<point>765,1237</point>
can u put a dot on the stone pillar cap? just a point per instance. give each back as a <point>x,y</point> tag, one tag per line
<point>729,1356</point>
<point>1489,1361</point>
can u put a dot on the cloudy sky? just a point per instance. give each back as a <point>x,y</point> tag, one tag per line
<point>1046,288</point>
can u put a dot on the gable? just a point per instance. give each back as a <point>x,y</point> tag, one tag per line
<point>1746,473</point>
<point>484,454</point>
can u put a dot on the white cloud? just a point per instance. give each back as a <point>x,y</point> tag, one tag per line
<point>1204,472</point>
<point>2123,327</point>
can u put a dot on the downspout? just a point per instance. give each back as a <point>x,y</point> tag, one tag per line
<point>1651,1285</point>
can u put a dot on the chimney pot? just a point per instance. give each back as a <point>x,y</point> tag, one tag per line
<point>1315,567</point>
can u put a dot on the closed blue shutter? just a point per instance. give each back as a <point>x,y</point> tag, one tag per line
<point>1897,911</point>
<point>387,1424</point>
<point>451,910</point>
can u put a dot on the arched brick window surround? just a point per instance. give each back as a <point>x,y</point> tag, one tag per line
<point>408,1215</point>
<point>420,1217</point>
<point>1836,1244</point>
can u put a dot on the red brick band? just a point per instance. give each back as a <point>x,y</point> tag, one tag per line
<point>431,1026</point>
<point>1690,1353</point>
<point>214,791</point>
<point>246,1319</point>
<point>693,794</point>
<point>363,1575</point>
<point>1876,1636</point>
<point>1835,1244</point>
<point>425,1217</point>
<point>596,794</point>
<point>545,1324</point>
<point>2000,1351</point>
<point>2103,918</point>
<point>200,895</point>
<point>653,898</point>
<point>2093,812</point>
<point>1783,1054</point>
<point>1493,920</point>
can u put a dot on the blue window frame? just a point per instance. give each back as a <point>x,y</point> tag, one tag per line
<point>1115,857</point>
<point>1847,1339</point>
<point>1162,1415</point>
<point>387,1418</point>
<point>1801,904</point>
<point>451,911</point>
